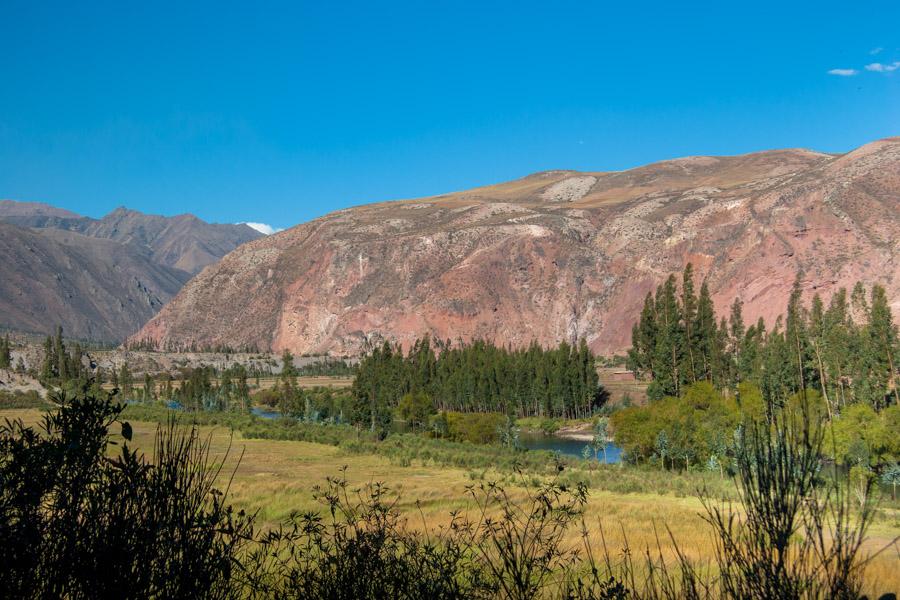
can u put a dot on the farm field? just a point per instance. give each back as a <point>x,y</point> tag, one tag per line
<point>276,478</point>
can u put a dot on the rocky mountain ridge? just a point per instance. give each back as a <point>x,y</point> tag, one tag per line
<point>101,279</point>
<point>555,255</point>
<point>182,242</point>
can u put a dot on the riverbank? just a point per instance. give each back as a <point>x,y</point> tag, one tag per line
<point>581,430</point>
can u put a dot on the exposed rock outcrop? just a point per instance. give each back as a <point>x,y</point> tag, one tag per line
<point>556,255</point>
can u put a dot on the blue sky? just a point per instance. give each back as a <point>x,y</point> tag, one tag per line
<point>280,112</point>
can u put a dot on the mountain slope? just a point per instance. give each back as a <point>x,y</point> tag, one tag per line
<point>183,242</point>
<point>96,289</point>
<point>558,254</point>
<point>11,209</point>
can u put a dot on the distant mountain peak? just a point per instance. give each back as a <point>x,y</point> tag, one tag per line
<point>16,208</point>
<point>160,252</point>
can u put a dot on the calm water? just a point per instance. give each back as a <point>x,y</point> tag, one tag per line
<point>568,447</point>
<point>531,441</point>
<point>265,413</point>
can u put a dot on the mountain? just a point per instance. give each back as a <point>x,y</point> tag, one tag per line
<point>96,289</point>
<point>555,255</point>
<point>100,279</point>
<point>11,209</point>
<point>183,242</point>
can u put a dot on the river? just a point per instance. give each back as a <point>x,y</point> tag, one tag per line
<point>567,446</point>
<point>531,441</point>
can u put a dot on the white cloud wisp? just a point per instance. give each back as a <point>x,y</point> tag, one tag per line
<point>883,68</point>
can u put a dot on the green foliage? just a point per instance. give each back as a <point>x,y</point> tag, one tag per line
<point>328,367</point>
<point>549,426</point>
<point>862,436</point>
<point>847,352</point>
<point>479,377</point>
<point>680,432</point>
<point>838,362</point>
<point>20,399</point>
<point>318,404</point>
<point>199,391</point>
<point>477,428</point>
<point>77,523</point>
<point>5,356</point>
<point>416,408</point>
<point>61,366</point>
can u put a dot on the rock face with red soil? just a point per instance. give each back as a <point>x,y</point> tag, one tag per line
<point>555,255</point>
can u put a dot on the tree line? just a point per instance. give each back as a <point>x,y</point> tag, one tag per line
<point>478,377</point>
<point>847,350</point>
<point>710,377</point>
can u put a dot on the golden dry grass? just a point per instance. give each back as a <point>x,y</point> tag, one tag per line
<point>274,478</point>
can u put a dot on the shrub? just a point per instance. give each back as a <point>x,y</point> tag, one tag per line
<point>77,524</point>
<point>415,409</point>
<point>478,428</point>
<point>20,399</point>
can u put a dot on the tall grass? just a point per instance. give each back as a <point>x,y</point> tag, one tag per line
<point>407,449</point>
<point>76,522</point>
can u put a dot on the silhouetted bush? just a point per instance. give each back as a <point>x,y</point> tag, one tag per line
<point>76,523</point>
<point>363,548</point>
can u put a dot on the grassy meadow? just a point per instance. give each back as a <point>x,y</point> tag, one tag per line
<point>276,477</point>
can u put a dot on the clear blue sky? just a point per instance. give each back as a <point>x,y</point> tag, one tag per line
<point>280,112</point>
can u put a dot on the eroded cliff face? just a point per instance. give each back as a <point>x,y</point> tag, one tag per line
<point>556,255</point>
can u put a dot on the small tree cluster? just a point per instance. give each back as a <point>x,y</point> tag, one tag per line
<point>60,365</point>
<point>199,390</point>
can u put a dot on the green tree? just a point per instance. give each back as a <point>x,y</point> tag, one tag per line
<point>669,342</point>
<point>640,358</point>
<point>126,381</point>
<point>706,336</point>
<point>692,336</point>
<point>48,365</point>
<point>601,435</point>
<point>881,348</point>
<point>796,336</point>
<point>415,408</point>
<point>59,349</point>
<point>149,388</point>
<point>736,333</point>
<point>5,355</point>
